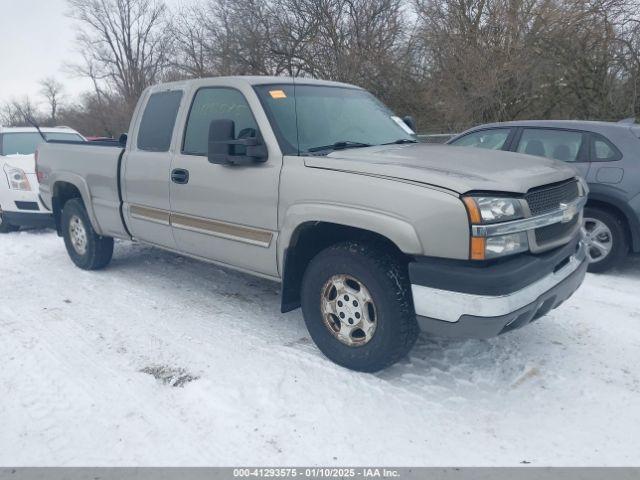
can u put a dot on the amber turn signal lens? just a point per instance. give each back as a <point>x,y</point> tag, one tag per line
<point>478,245</point>
<point>473,210</point>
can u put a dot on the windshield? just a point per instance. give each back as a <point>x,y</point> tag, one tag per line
<point>27,142</point>
<point>318,119</point>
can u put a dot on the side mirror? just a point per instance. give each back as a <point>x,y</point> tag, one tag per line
<point>225,149</point>
<point>410,122</point>
<point>122,139</point>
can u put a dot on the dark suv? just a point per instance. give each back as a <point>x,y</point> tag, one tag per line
<point>606,154</point>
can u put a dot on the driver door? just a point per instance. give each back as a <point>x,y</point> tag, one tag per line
<point>224,213</point>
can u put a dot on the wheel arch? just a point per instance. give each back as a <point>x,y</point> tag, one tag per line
<point>619,207</point>
<point>301,241</point>
<point>65,188</point>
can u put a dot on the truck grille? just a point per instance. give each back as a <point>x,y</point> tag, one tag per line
<point>557,231</point>
<point>548,198</point>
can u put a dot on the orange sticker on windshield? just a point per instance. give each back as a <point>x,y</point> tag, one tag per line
<point>277,94</point>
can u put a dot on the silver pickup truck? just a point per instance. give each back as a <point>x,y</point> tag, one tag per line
<point>318,186</point>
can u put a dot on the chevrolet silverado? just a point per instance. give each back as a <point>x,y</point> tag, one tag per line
<point>318,186</point>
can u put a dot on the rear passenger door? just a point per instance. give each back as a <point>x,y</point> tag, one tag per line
<point>146,170</point>
<point>571,146</point>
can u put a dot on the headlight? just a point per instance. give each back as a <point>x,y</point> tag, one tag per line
<point>486,210</point>
<point>17,178</point>
<point>493,209</point>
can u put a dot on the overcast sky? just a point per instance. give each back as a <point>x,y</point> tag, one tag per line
<point>36,40</point>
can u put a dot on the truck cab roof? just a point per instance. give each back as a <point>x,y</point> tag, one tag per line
<point>251,80</point>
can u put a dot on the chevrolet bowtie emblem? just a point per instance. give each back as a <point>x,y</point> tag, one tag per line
<point>568,212</point>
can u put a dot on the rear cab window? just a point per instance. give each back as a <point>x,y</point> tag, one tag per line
<point>491,139</point>
<point>158,121</point>
<point>563,145</point>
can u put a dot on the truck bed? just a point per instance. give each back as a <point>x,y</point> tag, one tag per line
<point>95,166</point>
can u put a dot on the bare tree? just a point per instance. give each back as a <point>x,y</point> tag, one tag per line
<point>580,36</point>
<point>93,115</point>
<point>52,91</point>
<point>450,63</point>
<point>628,38</point>
<point>192,41</point>
<point>482,63</point>
<point>125,44</point>
<point>17,113</point>
<point>361,41</point>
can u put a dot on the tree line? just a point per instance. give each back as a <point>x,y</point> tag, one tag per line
<point>449,63</point>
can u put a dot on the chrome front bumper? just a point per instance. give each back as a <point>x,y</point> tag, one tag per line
<point>448,307</point>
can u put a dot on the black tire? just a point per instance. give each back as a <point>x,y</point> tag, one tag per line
<point>7,227</point>
<point>98,249</point>
<point>619,240</point>
<point>387,281</point>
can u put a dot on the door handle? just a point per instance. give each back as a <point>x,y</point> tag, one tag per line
<point>180,175</point>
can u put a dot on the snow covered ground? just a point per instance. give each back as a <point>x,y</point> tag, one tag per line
<point>160,360</point>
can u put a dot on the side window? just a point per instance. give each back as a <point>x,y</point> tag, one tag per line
<point>158,120</point>
<point>557,144</point>
<point>216,104</point>
<point>603,150</point>
<point>493,139</point>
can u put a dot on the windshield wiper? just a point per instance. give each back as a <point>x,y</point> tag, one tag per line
<point>343,145</point>
<point>400,141</point>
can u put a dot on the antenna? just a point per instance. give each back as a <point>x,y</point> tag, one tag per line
<point>33,123</point>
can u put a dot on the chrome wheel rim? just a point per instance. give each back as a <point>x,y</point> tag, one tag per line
<point>598,239</point>
<point>348,310</point>
<point>78,235</point>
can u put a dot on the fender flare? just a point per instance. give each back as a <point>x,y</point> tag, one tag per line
<point>85,193</point>
<point>397,230</point>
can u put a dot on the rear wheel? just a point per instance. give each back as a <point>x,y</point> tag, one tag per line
<point>356,301</point>
<point>606,239</point>
<point>7,227</point>
<point>87,249</point>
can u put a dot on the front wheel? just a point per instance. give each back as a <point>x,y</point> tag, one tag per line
<point>606,239</point>
<point>357,305</point>
<point>87,249</point>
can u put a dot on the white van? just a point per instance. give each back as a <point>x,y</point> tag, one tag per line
<point>19,201</point>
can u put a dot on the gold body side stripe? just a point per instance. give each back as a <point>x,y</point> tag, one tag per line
<point>222,229</point>
<point>150,214</point>
<point>215,228</point>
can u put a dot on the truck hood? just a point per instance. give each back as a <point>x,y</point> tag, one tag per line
<point>459,169</point>
<point>24,162</point>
